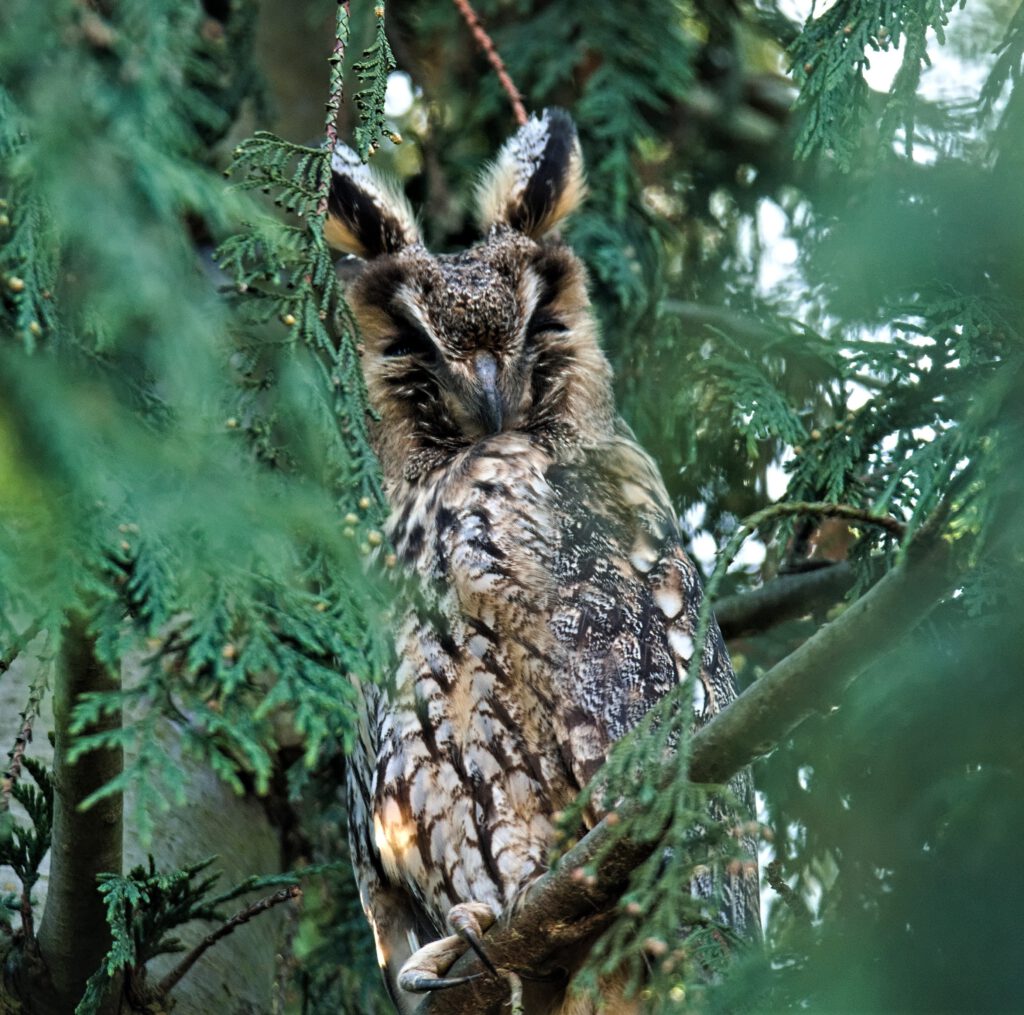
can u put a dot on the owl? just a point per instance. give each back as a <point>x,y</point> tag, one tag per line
<point>552,602</point>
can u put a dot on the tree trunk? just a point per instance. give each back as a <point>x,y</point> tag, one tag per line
<point>73,934</point>
<point>237,976</point>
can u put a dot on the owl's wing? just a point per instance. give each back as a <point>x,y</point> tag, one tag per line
<point>627,603</point>
<point>396,918</point>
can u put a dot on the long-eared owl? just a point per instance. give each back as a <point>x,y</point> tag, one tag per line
<point>556,604</point>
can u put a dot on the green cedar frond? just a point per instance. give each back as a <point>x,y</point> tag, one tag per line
<point>145,907</point>
<point>27,263</point>
<point>23,848</point>
<point>828,60</point>
<point>377,63</point>
<point>291,172</point>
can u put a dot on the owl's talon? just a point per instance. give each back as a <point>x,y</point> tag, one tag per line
<point>425,969</point>
<point>469,920</point>
<point>422,982</point>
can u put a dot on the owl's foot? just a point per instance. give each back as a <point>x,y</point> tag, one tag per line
<point>425,968</point>
<point>469,920</point>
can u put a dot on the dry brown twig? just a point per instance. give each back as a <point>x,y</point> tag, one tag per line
<point>483,40</point>
<point>37,688</point>
<point>170,981</point>
<point>334,97</point>
<point>21,742</point>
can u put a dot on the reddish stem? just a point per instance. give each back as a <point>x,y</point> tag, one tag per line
<point>336,60</point>
<point>13,772</point>
<point>483,40</point>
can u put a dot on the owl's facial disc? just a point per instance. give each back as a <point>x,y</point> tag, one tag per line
<point>456,346</point>
<point>460,347</point>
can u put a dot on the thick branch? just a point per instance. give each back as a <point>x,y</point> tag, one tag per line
<point>73,934</point>
<point>810,679</point>
<point>782,599</point>
<point>700,316</point>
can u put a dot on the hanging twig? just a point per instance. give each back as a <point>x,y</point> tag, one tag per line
<point>35,696</point>
<point>333,104</point>
<point>170,981</point>
<point>483,40</point>
<point>37,688</point>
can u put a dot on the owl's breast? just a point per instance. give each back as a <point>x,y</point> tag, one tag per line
<point>487,513</point>
<point>469,768</point>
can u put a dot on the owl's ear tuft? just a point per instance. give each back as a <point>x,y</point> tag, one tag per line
<point>366,215</point>
<point>537,178</point>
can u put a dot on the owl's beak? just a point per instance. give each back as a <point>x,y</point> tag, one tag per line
<point>485,366</point>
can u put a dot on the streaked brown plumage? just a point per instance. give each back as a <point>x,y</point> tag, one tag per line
<point>554,604</point>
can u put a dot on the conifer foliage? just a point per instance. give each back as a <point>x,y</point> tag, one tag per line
<point>808,278</point>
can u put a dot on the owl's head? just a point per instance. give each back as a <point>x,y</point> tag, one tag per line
<point>500,337</point>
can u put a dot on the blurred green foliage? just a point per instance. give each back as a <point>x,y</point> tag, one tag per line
<point>802,275</point>
<point>173,467</point>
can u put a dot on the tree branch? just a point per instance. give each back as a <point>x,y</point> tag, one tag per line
<point>73,934</point>
<point>559,910</point>
<point>852,513</point>
<point>334,96</point>
<point>704,316</point>
<point>782,599</point>
<point>170,981</point>
<point>36,690</point>
<point>18,645</point>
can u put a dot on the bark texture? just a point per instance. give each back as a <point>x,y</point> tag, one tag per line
<point>73,934</point>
